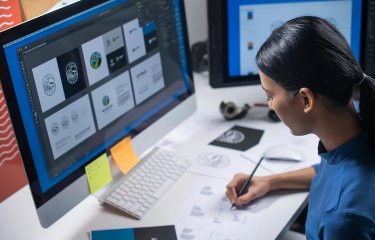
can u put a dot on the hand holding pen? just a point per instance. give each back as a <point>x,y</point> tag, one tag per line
<point>244,188</point>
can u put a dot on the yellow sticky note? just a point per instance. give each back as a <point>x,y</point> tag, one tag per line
<point>124,155</point>
<point>98,173</point>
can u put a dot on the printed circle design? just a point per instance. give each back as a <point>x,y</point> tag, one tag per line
<point>55,128</point>
<point>95,60</point>
<point>65,122</point>
<point>213,160</point>
<point>232,137</point>
<point>105,100</point>
<point>71,72</point>
<point>49,85</point>
<point>75,116</point>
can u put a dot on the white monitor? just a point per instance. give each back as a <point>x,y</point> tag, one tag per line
<point>79,80</point>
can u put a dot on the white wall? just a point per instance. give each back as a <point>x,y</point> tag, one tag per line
<point>196,14</point>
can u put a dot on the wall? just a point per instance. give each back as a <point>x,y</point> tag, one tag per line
<point>196,14</point>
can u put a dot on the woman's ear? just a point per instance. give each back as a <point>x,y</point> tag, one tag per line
<point>307,99</point>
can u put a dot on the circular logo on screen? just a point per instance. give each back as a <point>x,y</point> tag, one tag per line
<point>49,85</point>
<point>95,60</point>
<point>55,128</point>
<point>105,101</point>
<point>75,116</point>
<point>71,72</point>
<point>65,122</point>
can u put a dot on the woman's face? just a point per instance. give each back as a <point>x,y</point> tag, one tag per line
<point>289,109</point>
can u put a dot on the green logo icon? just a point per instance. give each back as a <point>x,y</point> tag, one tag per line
<point>95,60</point>
<point>105,101</point>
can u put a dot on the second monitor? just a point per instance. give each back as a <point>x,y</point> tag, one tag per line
<point>237,29</point>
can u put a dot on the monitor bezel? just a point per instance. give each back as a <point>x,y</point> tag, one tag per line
<point>77,179</point>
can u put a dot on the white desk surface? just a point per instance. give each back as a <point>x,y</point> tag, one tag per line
<point>18,219</point>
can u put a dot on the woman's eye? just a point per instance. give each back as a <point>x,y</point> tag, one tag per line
<point>269,98</point>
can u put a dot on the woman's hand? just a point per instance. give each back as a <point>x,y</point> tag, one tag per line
<point>257,188</point>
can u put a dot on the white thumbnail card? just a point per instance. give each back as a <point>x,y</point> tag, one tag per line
<point>95,60</point>
<point>48,84</point>
<point>147,78</point>
<point>135,43</point>
<point>113,99</point>
<point>70,126</point>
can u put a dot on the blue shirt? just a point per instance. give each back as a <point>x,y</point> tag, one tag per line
<point>342,194</point>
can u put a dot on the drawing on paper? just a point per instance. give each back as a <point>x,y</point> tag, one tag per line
<point>206,215</point>
<point>213,160</point>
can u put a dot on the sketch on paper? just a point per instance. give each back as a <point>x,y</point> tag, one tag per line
<point>213,160</point>
<point>206,214</point>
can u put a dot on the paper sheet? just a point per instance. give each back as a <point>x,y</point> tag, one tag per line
<point>217,162</point>
<point>206,214</point>
<point>190,129</point>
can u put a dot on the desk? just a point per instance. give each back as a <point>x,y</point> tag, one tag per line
<point>18,219</point>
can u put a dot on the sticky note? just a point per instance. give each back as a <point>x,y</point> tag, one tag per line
<point>124,156</point>
<point>98,173</point>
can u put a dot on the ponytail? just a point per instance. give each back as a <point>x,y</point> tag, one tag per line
<point>367,107</point>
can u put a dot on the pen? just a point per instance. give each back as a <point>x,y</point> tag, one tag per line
<point>285,159</point>
<point>246,184</point>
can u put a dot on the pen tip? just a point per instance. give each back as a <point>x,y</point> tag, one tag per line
<point>232,207</point>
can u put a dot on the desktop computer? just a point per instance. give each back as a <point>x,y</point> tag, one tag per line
<point>81,79</point>
<point>237,29</point>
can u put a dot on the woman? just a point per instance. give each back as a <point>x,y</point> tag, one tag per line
<point>311,80</point>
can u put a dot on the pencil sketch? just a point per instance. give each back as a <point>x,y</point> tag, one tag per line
<point>206,214</point>
<point>187,234</point>
<point>206,191</point>
<point>213,160</point>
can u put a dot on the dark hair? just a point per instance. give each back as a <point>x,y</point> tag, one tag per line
<point>310,52</point>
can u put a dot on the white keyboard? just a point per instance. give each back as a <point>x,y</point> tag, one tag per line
<point>136,192</point>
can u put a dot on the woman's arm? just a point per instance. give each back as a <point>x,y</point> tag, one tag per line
<point>259,186</point>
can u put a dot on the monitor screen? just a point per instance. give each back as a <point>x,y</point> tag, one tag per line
<point>81,79</point>
<point>246,24</point>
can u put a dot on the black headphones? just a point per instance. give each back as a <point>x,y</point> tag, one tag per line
<point>231,112</point>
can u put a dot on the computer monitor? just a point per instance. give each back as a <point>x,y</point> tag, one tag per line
<point>79,80</point>
<point>238,28</point>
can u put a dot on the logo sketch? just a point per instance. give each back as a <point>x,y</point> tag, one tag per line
<point>65,122</point>
<point>49,85</point>
<point>71,72</point>
<point>75,116</point>
<point>55,128</point>
<point>213,160</point>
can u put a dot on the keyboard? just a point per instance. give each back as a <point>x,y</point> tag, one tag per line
<point>136,192</point>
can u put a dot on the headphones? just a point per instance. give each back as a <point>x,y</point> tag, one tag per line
<point>231,112</point>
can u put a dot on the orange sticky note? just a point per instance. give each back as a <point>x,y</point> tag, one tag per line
<point>124,155</point>
<point>98,173</point>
